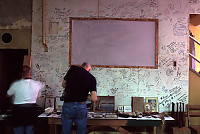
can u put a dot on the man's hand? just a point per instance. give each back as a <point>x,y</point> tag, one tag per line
<point>92,96</point>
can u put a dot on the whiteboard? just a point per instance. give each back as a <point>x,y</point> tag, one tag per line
<point>114,42</point>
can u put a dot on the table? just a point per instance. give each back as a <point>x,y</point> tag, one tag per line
<point>115,123</point>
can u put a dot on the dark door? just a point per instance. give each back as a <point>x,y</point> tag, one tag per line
<point>11,62</point>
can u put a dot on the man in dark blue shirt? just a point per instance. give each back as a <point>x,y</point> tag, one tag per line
<point>78,83</point>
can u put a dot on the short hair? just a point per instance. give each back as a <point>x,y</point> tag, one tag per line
<point>26,71</point>
<point>85,64</point>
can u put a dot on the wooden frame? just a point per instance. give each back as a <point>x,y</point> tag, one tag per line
<point>49,102</point>
<point>104,104</point>
<point>147,107</point>
<point>193,114</point>
<point>120,108</point>
<point>58,104</point>
<point>137,104</point>
<point>99,61</point>
<point>154,103</point>
<point>127,109</point>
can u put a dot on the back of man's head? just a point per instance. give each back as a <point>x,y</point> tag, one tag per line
<point>86,66</point>
<point>26,72</point>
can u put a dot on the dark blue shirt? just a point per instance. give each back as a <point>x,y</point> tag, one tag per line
<point>79,82</point>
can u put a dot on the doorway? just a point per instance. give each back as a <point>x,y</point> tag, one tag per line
<point>11,62</point>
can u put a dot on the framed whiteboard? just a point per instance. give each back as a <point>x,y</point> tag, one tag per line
<point>114,42</point>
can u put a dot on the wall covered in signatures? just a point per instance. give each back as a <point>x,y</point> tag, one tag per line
<point>169,83</point>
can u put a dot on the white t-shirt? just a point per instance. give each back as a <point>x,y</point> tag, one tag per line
<point>25,91</point>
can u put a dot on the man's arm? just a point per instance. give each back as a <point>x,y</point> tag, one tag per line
<point>10,92</point>
<point>92,96</point>
<point>8,95</point>
<point>68,76</point>
<point>64,83</point>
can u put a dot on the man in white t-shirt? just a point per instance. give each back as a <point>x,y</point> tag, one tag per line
<point>24,92</point>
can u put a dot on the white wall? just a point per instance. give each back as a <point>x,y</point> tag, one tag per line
<point>168,83</point>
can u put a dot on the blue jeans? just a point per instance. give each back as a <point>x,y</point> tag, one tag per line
<point>28,129</point>
<point>74,112</point>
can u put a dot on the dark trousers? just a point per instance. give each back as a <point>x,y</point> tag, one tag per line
<point>24,114</point>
